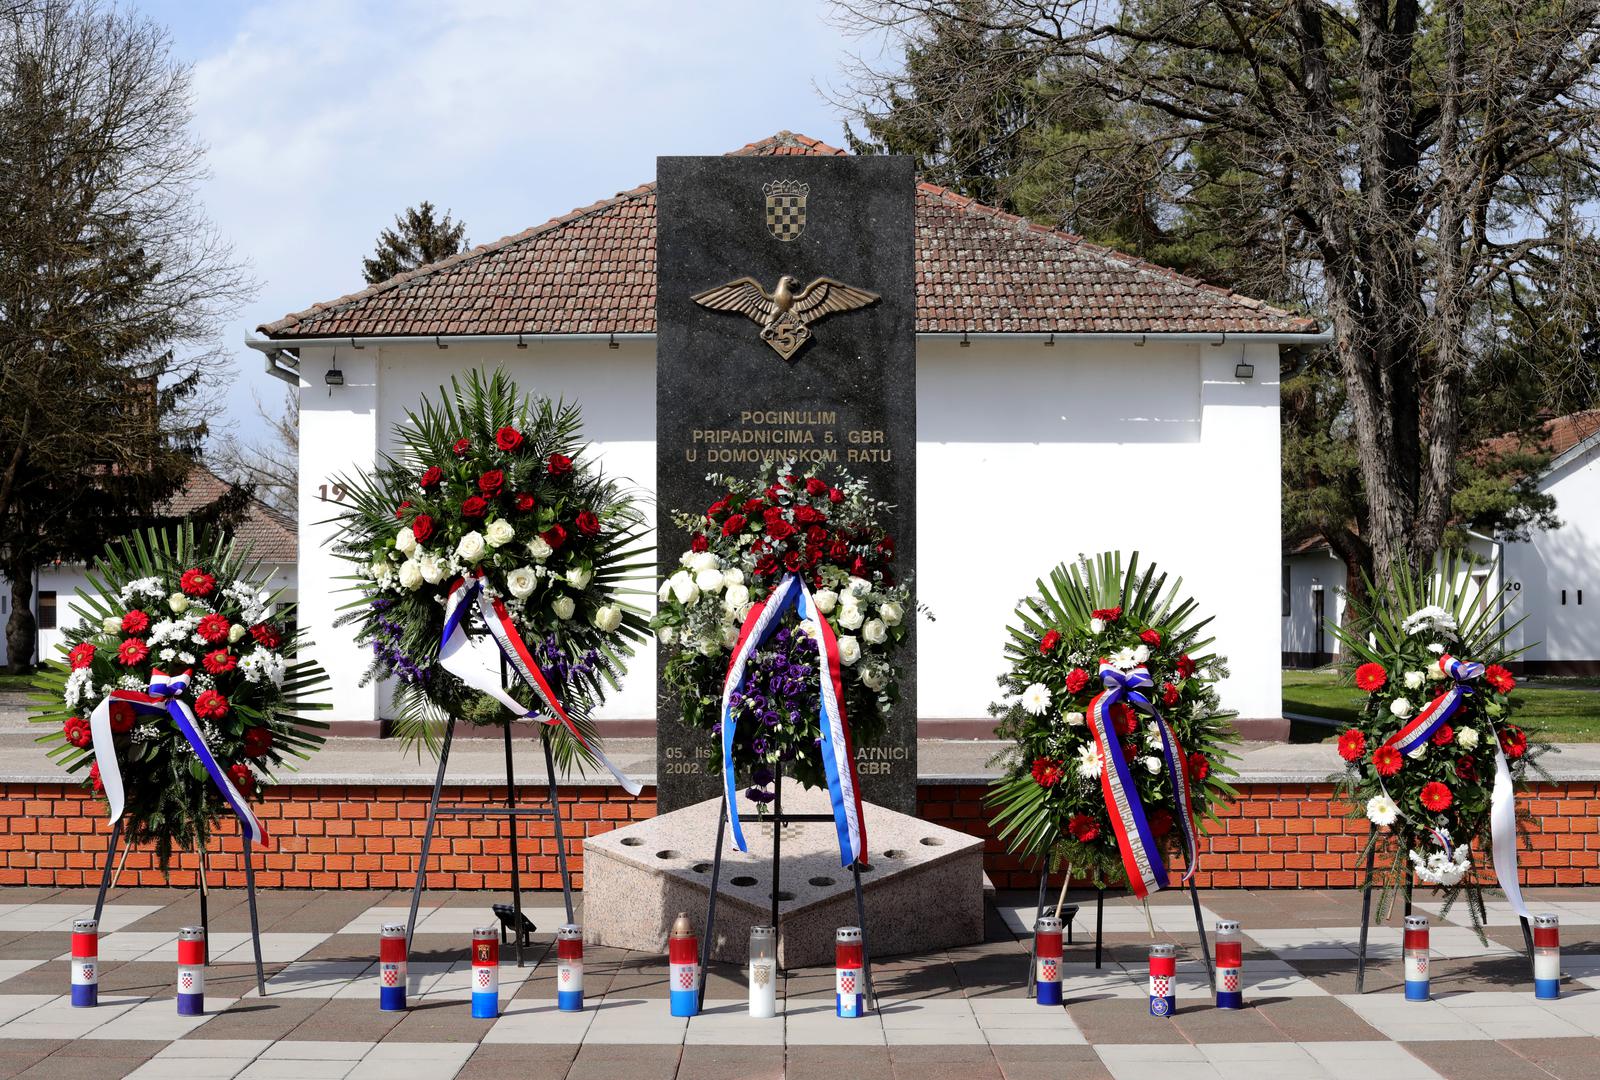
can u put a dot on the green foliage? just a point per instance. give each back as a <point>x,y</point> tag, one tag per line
<point>417,239</point>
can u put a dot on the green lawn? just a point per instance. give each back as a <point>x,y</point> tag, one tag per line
<point>1563,710</point>
<point>16,682</point>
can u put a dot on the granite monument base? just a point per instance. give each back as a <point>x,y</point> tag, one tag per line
<point>925,889</point>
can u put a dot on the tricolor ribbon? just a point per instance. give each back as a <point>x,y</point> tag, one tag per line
<point>838,759</point>
<point>1141,858</point>
<point>164,696</point>
<point>471,660</point>
<point>1413,737</point>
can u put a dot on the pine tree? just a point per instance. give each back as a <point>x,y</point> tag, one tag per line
<point>418,238</point>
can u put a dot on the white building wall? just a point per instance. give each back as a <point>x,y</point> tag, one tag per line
<point>1316,571</point>
<point>1549,572</point>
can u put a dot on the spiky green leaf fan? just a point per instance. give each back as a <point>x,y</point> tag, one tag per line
<point>487,478</point>
<point>1048,805</point>
<point>172,600</point>
<point>1440,795</point>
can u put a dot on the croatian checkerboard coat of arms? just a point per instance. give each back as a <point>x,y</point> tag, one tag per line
<point>786,208</point>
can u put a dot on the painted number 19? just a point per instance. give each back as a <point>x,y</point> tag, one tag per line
<point>331,492</point>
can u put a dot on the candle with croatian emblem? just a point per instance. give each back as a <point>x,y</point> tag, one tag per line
<point>191,971</point>
<point>1546,957</point>
<point>485,973</point>
<point>763,972</point>
<point>1415,947</point>
<point>1230,961</point>
<point>85,963</point>
<point>569,967</point>
<point>1163,979</point>
<point>392,967</point>
<point>683,961</point>
<point>1047,957</point>
<point>848,975</point>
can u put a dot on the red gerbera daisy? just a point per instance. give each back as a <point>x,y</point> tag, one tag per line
<point>123,717</point>
<point>1513,742</point>
<point>1499,678</point>
<point>1370,677</point>
<point>197,582</point>
<point>1199,767</point>
<point>135,622</point>
<point>211,705</point>
<point>81,656</point>
<point>1083,828</point>
<point>243,779</point>
<point>219,661</point>
<point>1352,745</point>
<point>1386,760</point>
<point>77,732</point>
<point>133,652</point>
<point>213,628</point>
<point>1435,796</point>
<point>257,741</point>
<point>1046,771</point>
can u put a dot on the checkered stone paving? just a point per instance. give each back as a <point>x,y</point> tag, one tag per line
<point>956,1013</point>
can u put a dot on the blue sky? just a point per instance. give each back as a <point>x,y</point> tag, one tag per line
<point>324,119</point>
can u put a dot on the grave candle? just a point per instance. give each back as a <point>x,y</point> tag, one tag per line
<point>85,964</point>
<point>569,967</point>
<point>1163,977</point>
<point>848,975</point>
<point>763,972</point>
<point>1047,958</point>
<point>1230,961</point>
<point>1415,949</point>
<point>392,967</point>
<point>191,971</point>
<point>485,973</point>
<point>1546,956</point>
<point>683,965</point>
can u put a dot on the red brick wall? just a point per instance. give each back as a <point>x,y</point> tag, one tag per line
<point>1277,835</point>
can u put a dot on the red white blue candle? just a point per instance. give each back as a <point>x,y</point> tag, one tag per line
<point>683,964</point>
<point>569,967</point>
<point>1415,950</point>
<point>1546,957</point>
<point>191,971</point>
<point>1163,979</point>
<point>1230,963</point>
<point>85,964</point>
<point>1047,960</point>
<point>848,975</point>
<point>392,967</point>
<point>485,973</point>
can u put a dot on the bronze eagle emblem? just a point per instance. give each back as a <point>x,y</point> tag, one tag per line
<point>785,313</point>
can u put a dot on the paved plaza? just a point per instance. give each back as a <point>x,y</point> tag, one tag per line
<point>960,1013</point>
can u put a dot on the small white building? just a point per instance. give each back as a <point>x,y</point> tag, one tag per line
<point>1051,374</point>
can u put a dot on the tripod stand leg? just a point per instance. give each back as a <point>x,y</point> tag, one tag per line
<point>555,817</point>
<point>866,949</point>
<point>255,918</point>
<point>711,902</point>
<point>427,833</point>
<point>511,830</point>
<point>106,874</point>
<point>1099,924</point>
<point>205,918</point>
<point>1033,941</point>
<point>1199,924</point>
<point>1366,916</point>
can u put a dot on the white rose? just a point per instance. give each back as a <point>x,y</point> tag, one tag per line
<point>433,569</point>
<point>704,560</point>
<point>1401,707</point>
<point>579,577</point>
<point>709,581</point>
<point>859,587</point>
<point>410,575</point>
<point>730,578</point>
<point>111,626</point>
<point>1152,764</point>
<point>826,600</point>
<point>178,602</point>
<point>406,541</point>
<point>1435,673</point>
<point>664,593</point>
<point>607,618</point>
<point>1073,719</point>
<point>849,650</point>
<point>499,533</point>
<point>891,613</point>
<point>522,581</point>
<point>1097,626</point>
<point>851,617</point>
<point>875,678</point>
<point>236,632</point>
<point>736,597</point>
<point>1141,655</point>
<point>665,634</point>
<point>470,547</point>
<point>876,632</point>
<point>1467,738</point>
<point>563,606</point>
<point>1415,679</point>
<point>684,588</point>
<point>730,636</point>
<point>539,549</point>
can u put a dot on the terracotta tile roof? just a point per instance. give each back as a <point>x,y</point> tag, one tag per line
<point>272,537</point>
<point>1560,434</point>
<point>978,270</point>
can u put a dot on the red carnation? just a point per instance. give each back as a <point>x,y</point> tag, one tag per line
<point>1386,760</point>
<point>94,778</point>
<point>508,439</point>
<point>588,524</point>
<point>1083,828</point>
<point>815,486</point>
<point>1107,614</point>
<point>197,582</point>
<point>1442,735</point>
<point>1466,769</point>
<point>123,717</point>
<point>1499,678</point>
<point>1169,694</point>
<point>257,741</point>
<point>1513,742</point>
<point>558,465</point>
<point>1048,643</point>
<point>1124,719</point>
<point>77,732</point>
<point>1185,666</point>
<point>491,483</point>
<point>1077,679</point>
<point>132,652</point>
<point>219,661</point>
<point>1199,767</point>
<point>135,622</point>
<point>400,511</point>
<point>1160,823</point>
<point>422,528</point>
<point>555,536</point>
<point>523,502</point>
<point>1370,677</point>
<point>1435,796</point>
<point>431,477</point>
<point>1046,771</point>
<point>211,705</point>
<point>699,543</point>
<point>266,635</point>
<point>81,656</point>
<point>835,496</point>
<point>1352,745</point>
<point>1151,638</point>
<point>213,628</point>
<point>734,523</point>
<point>243,779</point>
<point>474,507</point>
<point>461,446</point>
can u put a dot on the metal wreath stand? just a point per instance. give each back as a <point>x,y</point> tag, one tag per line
<point>779,819</point>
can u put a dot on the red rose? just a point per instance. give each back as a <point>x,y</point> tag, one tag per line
<point>780,530</point>
<point>699,543</point>
<point>135,622</point>
<point>809,515</point>
<point>197,582</point>
<point>461,446</point>
<point>1107,614</point>
<point>734,523</point>
<point>767,566</point>
<point>718,507</point>
<point>219,661</point>
<point>400,511</point>
<point>816,535</point>
<point>243,779</point>
<point>1513,742</point>
<point>1046,771</point>
<point>1499,678</point>
<point>1169,694</point>
<point>1048,643</point>
<point>1352,745</point>
<point>774,492</point>
<point>132,652</point>
<point>508,439</point>
<point>266,635</point>
<point>1370,677</point>
<point>431,477</point>
<point>588,524</point>
<point>211,705</point>
<point>1442,735</point>
<point>1083,828</point>
<point>213,628</point>
<point>793,560</point>
<point>558,465</point>
<point>1386,760</point>
<point>1151,638</point>
<point>773,513</point>
<point>524,502</point>
<point>422,528</point>
<point>1077,679</point>
<point>835,496</point>
<point>1466,769</point>
<point>1160,823</point>
<point>1124,719</point>
<point>492,483</point>
<point>474,507</point>
<point>1199,767</point>
<point>1185,666</point>
<point>555,536</point>
<point>257,741</point>
<point>77,732</point>
<point>1435,796</point>
<point>123,717</point>
<point>838,551</point>
<point>750,506</point>
<point>815,486</point>
<point>81,656</point>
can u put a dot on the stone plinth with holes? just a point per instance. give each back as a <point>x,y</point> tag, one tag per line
<point>924,890</point>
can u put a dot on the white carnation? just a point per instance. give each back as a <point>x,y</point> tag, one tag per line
<point>471,547</point>
<point>891,613</point>
<point>406,541</point>
<point>522,581</point>
<point>826,600</point>
<point>849,650</point>
<point>539,549</point>
<point>499,533</point>
<point>1036,699</point>
<point>607,618</point>
<point>1381,810</point>
<point>876,632</point>
<point>563,606</point>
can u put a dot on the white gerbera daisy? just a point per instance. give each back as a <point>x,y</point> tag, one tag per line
<point>1381,810</point>
<point>1088,762</point>
<point>1036,699</point>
